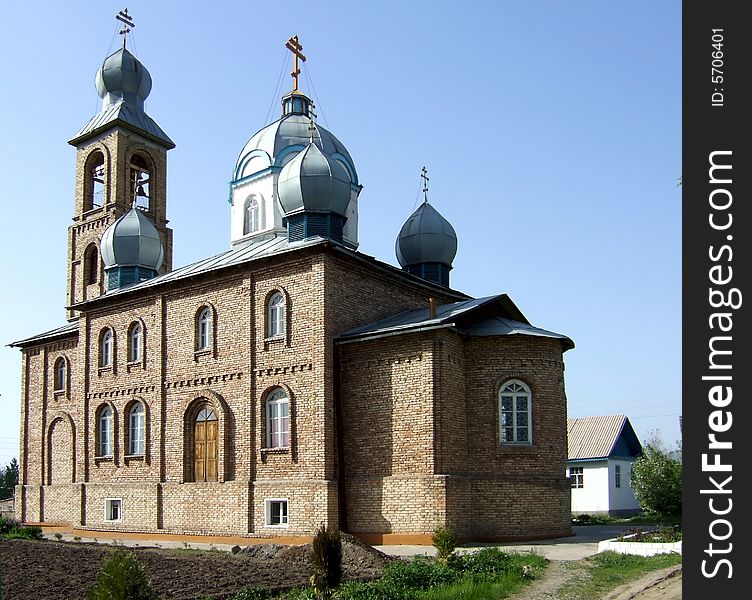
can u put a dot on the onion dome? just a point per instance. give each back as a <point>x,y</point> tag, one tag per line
<point>427,244</point>
<point>313,182</point>
<point>314,192</point>
<point>123,77</point>
<point>123,83</point>
<point>131,249</point>
<point>291,132</point>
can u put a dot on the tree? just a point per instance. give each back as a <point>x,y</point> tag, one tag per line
<point>657,481</point>
<point>8,479</point>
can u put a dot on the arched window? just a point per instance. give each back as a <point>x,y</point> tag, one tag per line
<point>515,413</point>
<point>276,315</point>
<point>252,216</point>
<point>135,342</point>
<point>60,374</point>
<point>140,181</point>
<point>94,189</point>
<point>136,429</point>
<point>204,329</point>
<point>106,430</point>
<point>91,265</point>
<point>205,454</point>
<point>105,348</point>
<point>278,420</point>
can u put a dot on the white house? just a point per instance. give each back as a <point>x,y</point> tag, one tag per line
<point>601,451</point>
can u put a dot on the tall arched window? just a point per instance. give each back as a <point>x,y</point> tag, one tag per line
<point>136,429</point>
<point>105,349</point>
<point>106,430</point>
<point>91,265</point>
<point>135,342</point>
<point>203,329</point>
<point>60,374</point>
<point>278,420</point>
<point>252,216</point>
<point>276,315</point>
<point>205,454</point>
<point>94,189</point>
<point>515,413</point>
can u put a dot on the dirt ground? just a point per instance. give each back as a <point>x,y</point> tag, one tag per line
<point>664,584</point>
<point>52,570</point>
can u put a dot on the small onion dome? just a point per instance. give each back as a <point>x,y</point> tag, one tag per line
<point>132,241</point>
<point>426,237</point>
<point>123,77</point>
<point>313,182</point>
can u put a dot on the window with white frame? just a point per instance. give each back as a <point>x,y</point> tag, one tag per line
<point>203,329</point>
<point>276,315</point>
<point>105,349</point>
<point>576,477</point>
<point>135,342</point>
<point>60,374</point>
<point>253,215</point>
<point>106,425</point>
<point>136,429</point>
<point>275,510</point>
<point>515,413</point>
<point>278,420</point>
<point>617,476</point>
<point>113,509</point>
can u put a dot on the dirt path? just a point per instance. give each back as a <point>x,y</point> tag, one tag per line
<point>664,584</point>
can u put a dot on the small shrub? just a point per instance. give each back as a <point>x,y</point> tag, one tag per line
<point>326,556</point>
<point>122,577</point>
<point>445,542</point>
<point>58,536</point>
<point>6,525</point>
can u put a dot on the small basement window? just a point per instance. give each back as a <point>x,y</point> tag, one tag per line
<point>113,509</point>
<point>276,512</point>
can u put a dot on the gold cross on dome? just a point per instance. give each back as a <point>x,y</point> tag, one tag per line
<point>294,46</point>
<point>127,21</point>
<point>424,176</point>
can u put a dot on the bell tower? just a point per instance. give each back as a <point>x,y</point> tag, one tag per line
<point>121,162</point>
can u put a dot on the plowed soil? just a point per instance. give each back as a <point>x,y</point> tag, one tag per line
<point>51,570</point>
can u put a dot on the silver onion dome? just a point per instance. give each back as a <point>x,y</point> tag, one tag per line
<point>313,182</point>
<point>123,77</point>
<point>292,130</point>
<point>426,237</point>
<point>132,241</point>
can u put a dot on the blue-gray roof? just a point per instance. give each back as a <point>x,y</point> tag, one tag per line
<point>64,331</point>
<point>502,318</point>
<point>132,240</point>
<point>426,237</point>
<point>129,117</point>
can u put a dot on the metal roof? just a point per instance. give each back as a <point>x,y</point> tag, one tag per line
<point>64,331</point>
<point>293,130</point>
<point>594,437</point>
<point>313,182</point>
<point>132,240</point>
<point>426,237</point>
<point>458,315</point>
<point>129,117</point>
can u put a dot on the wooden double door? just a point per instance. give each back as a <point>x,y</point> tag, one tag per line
<point>205,453</point>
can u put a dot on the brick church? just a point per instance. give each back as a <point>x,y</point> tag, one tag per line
<point>289,381</point>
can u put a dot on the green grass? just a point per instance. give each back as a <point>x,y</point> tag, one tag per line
<point>606,571</point>
<point>483,575</point>
<point>586,519</point>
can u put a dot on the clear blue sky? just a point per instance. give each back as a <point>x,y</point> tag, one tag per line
<point>551,132</point>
